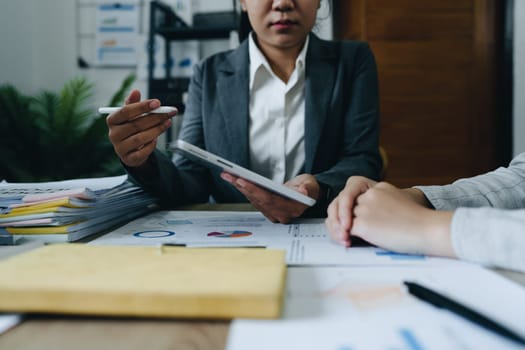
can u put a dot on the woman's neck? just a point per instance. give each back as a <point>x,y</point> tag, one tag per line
<point>281,60</point>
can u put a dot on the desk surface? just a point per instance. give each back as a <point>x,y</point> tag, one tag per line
<point>96,333</point>
<point>81,333</point>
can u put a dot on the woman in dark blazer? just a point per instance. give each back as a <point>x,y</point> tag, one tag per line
<point>338,122</point>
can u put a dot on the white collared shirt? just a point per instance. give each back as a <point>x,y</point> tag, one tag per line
<point>277,113</point>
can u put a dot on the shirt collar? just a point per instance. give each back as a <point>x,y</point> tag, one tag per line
<point>258,60</point>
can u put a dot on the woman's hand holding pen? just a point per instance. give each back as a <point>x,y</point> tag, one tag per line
<point>134,137</point>
<point>275,207</point>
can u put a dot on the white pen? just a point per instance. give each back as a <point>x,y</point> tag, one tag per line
<point>160,110</point>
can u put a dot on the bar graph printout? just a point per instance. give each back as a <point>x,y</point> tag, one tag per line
<point>305,241</point>
<point>195,229</point>
<point>366,308</point>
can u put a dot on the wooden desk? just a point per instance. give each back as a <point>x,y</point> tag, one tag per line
<point>53,333</point>
<point>125,334</point>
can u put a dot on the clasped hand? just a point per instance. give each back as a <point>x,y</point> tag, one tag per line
<point>389,217</point>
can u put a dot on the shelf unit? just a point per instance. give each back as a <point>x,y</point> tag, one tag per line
<point>165,22</point>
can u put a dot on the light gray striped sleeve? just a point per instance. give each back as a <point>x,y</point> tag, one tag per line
<point>503,188</point>
<point>489,226</point>
<point>489,236</point>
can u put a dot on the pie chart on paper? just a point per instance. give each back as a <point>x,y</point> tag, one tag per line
<point>230,234</point>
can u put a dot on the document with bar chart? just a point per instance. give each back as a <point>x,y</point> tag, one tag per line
<point>305,241</point>
<point>362,308</point>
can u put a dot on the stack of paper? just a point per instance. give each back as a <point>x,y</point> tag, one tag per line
<point>76,208</point>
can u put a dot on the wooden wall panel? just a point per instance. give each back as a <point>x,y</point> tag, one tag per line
<point>418,26</point>
<point>435,53</point>
<point>414,82</point>
<point>413,6</point>
<point>436,75</point>
<point>444,129</point>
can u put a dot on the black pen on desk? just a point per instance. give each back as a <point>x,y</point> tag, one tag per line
<point>441,301</point>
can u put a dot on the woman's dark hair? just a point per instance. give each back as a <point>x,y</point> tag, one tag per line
<point>245,26</point>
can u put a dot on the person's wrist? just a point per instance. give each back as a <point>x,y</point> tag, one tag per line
<point>418,196</point>
<point>436,232</point>
<point>145,171</point>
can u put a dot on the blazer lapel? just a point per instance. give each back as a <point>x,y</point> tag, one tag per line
<point>233,92</point>
<point>320,78</point>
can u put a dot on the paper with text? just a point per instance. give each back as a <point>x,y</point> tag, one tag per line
<point>367,308</point>
<point>305,241</point>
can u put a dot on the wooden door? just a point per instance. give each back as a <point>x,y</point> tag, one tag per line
<point>438,83</point>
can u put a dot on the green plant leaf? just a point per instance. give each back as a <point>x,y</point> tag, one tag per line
<point>120,95</point>
<point>56,136</point>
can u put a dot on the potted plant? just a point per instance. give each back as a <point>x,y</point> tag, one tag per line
<point>52,136</point>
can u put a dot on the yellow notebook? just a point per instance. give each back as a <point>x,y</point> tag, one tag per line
<point>145,281</point>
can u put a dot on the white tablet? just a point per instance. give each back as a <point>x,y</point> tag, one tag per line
<point>210,159</point>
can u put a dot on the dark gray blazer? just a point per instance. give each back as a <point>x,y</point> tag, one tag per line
<point>341,124</point>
